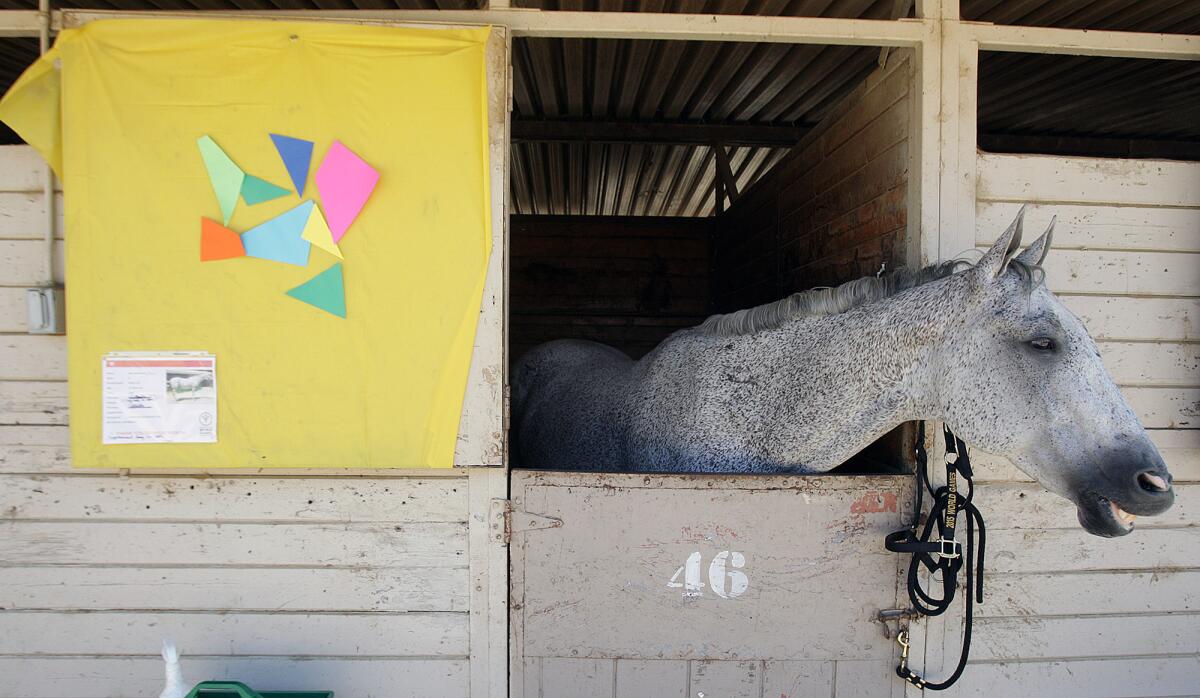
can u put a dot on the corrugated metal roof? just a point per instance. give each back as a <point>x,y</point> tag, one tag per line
<point>1050,95</point>
<point>774,8</point>
<point>669,82</point>
<point>1160,16</point>
<point>679,83</point>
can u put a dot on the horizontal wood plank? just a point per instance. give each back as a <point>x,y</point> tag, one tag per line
<point>23,169</point>
<point>1152,363</point>
<point>23,216</point>
<point>1056,594</point>
<point>1113,678</point>
<point>1124,273</point>
<point>34,459</point>
<point>1137,318</point>
<point>45,459</point>
<point>293,635</point>
<point>1100,272</point>
<point>33,357</point>
<point>581,678</point>
<point>108,588</point>
<point>794,679</point>
<point>185,499</point>
<point>88,677</point>
<point>34,435</point>
<point>1106,181</point>
<point>22,262</point>
<point>1036,550</point>
<point>1096,227</point>
<point>33,403</point>
<point>13,310</point>
<point>411,545</point>
<point>1165,408</point>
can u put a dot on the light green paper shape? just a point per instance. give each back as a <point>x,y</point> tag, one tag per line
<point>325,291</point>
<point>256,191</point>
<point>224,173</point>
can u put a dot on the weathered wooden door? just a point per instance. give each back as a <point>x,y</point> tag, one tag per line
<point>650,585</point>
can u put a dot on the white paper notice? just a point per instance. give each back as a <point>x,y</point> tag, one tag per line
<point>160,398</point>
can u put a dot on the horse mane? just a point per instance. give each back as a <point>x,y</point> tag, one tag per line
<point>839,299</point>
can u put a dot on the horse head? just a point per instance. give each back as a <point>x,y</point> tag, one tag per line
<point>1022,378</point>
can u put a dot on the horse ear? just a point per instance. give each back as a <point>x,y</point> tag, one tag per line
<point>995,261</point>
<point>1036,253</point>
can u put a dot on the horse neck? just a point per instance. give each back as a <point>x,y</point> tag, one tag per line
<point>860,373</point>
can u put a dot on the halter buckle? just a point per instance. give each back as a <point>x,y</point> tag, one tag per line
<point>950,549</point>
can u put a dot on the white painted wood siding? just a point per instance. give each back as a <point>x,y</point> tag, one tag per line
<point>1067,613</point>
<point>594,612</point>
<point>359,582</point>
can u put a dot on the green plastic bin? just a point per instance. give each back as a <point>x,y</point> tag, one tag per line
<point>227,689</point>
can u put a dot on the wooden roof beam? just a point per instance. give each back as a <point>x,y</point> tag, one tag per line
<point>566,130</point>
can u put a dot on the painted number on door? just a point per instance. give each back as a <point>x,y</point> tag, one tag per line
<point>725,577</point>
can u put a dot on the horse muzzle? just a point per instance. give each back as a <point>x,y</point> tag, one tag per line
<point>1139,487</point>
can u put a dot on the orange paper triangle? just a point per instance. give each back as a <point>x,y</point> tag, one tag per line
<point>219,242</point>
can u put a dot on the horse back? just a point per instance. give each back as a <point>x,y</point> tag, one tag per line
<point>567,405</point>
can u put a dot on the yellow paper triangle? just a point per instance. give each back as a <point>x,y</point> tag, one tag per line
<point>317,231</point>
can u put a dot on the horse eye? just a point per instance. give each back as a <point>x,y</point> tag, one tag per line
<point>1042,344</point>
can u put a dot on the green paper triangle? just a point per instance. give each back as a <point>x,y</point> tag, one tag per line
<point>324,291</point>
<point>225,175</point>
<point>256,191</point>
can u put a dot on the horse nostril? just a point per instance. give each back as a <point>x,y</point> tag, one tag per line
<point>1153,483</point>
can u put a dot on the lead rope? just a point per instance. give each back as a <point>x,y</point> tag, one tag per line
<point>948,506</point>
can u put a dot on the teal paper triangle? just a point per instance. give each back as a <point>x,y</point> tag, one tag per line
<point>256,191</point>
<point>324,291</point>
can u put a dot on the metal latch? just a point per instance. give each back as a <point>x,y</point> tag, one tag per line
<point>505,521</point>
<point>894,614</point>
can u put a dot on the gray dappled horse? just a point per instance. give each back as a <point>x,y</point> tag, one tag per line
<point>802,384</point>
<point>188,384</point>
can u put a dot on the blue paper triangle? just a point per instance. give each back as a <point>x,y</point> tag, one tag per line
<point>296,155</point>
<point>279,238</point>
<point>325,291</point>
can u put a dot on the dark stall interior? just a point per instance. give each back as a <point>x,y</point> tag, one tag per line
<point>655,183</point>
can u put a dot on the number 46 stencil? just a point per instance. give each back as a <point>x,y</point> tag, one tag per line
<point>725,577</point>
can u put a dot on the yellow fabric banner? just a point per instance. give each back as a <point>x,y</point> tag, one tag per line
<point>296,386</point>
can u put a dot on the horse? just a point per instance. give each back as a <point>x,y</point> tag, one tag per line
<point>801,384</point>
<point>188,384</point>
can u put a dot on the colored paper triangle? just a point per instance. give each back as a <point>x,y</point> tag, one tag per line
<point>296,155</point>
<point>345,182</point>
<point>219,242</point>
<point>256,191</point>
<point>325,291</point>
<point>317,232</point>
<point>225,175</point>
<point>279,238</point>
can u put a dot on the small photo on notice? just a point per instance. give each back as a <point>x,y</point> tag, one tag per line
<point>191,386</point>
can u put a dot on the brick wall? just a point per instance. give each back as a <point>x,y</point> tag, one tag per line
<point>833,210</point>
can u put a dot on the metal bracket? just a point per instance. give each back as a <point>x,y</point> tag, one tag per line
<point>505,521</point>
<point>896,614</point>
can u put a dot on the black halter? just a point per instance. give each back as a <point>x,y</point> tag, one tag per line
<point>948,509</point>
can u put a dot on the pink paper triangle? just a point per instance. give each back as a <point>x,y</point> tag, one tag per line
<point>345,182</point>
